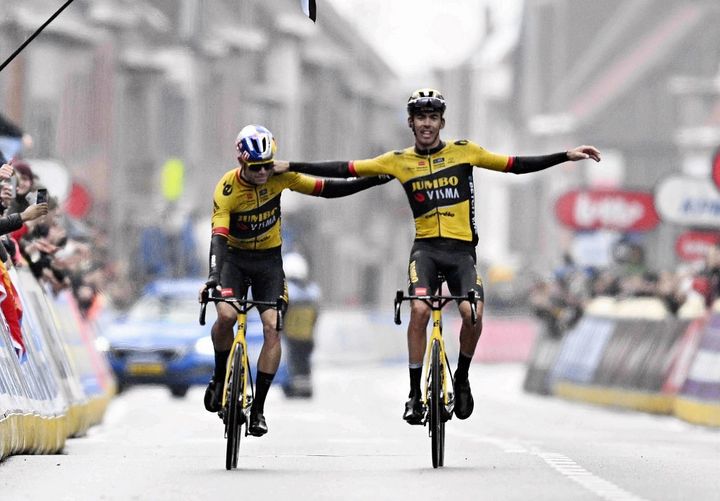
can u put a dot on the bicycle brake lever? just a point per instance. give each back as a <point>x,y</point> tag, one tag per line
<point>398,301</point>
<point>203,307</point>
<point>280,318</point>
<point>204,295</point>
<point>473,306</point>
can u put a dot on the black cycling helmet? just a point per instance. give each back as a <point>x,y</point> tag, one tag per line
<point>425,100</point>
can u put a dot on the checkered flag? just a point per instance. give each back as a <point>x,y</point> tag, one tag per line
<point>308,7</point>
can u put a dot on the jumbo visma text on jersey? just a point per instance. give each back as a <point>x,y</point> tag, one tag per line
<point>439,185</point>
<point>445,197</point>
<point>248,215</point>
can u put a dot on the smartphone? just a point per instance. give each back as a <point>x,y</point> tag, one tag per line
<point>42,197</point>
<point>13,185</point>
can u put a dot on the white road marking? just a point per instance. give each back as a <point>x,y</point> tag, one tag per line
<point>561,463</point>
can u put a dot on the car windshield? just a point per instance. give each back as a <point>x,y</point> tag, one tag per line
<point>176,310</point>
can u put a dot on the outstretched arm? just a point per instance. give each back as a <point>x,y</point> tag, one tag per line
<point>335,188</point>
<point>324,169</point>
<point>525,164</point>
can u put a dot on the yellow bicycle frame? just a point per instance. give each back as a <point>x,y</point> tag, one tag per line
<point>436,335</point>
<point>239,339</point>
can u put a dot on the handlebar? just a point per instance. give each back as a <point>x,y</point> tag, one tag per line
<point>470,297</point>
<point>242,305</point>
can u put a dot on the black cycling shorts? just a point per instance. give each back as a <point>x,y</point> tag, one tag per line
<point>455,260</point>
<point>261,270</point>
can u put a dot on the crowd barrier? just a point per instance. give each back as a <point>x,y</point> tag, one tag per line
<point>61,385</point>
<point>632,353</point>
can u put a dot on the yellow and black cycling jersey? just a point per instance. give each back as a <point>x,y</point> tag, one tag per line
<point>439,184</point>
<point>249,215</point>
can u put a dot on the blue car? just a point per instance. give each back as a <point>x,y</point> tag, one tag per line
<point>159,341</point>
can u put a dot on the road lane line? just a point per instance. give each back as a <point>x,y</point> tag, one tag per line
<point>569,468</point>
<point>561,463</point>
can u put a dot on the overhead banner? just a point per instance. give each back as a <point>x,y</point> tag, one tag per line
<point>688,201</point>
<point>617,210</point>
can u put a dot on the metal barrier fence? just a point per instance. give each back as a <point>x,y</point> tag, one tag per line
<point>634,354</point>
<point>61,385</point>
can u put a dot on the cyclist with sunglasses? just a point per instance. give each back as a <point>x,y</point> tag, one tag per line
<point>438,180</point>
<point>245,250</point>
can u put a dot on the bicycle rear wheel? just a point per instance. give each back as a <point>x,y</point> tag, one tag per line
<point>437,424</point>
<point>233,426</point>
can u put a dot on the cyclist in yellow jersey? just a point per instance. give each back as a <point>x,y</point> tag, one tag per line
<point>438,180</point>
<point>245,249</point>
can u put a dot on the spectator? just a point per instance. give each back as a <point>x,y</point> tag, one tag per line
<point>707,282</point>
<point>26,183</point>
<point>300,319</point>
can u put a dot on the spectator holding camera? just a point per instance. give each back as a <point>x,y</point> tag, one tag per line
<point>14,220</point>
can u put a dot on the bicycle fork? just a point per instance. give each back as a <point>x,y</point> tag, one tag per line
<point>238,340</point>
<point>444,362</point>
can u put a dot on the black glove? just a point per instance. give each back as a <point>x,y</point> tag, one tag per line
<point>212,282</point>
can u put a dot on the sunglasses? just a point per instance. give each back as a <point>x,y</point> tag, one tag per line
<point>430,102</point>
<point>259,167</point>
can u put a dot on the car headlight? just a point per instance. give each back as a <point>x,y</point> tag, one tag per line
<point>204,346</point>
<point>102,344</point>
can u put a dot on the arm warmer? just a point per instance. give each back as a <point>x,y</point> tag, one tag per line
<point>334,188</point>
<point>525,165</point>
<point>324,169</point>
<point>218,249</point>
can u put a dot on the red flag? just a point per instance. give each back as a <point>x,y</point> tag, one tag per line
<point>11,310</point>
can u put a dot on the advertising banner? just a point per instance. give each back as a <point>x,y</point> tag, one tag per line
<point>695,245</point>
<point>688,201</point>
<point>716,169</point>
<point>617,210</point>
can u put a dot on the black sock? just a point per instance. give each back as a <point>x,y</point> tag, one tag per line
<point>462,367</point>
<point>221,365</point>
<point>415,376</point>
<point>262,385</point>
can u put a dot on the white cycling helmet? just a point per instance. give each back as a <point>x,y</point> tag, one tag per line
<point>295,266</point>
<point>258,142</point>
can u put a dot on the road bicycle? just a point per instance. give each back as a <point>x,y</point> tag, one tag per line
<point>238,390</point>
<point>438,398</point>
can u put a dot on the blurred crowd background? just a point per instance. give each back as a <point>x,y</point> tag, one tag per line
<point>126,110</point>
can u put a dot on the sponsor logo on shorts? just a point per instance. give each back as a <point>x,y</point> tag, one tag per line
<point>226,292</point>
<point>412,272</point>
<point>421,291</point>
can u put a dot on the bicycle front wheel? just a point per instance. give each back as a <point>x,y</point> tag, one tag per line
<point>437,424</point>
<point>234,412</point>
